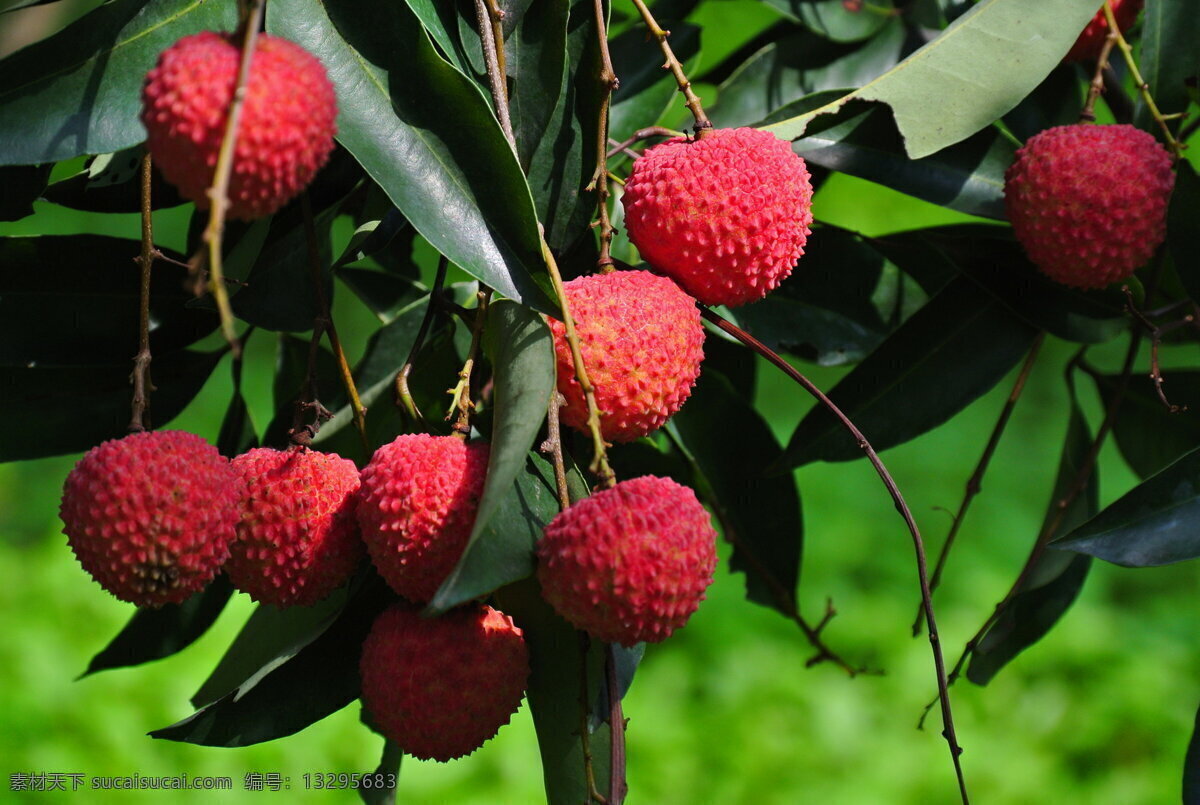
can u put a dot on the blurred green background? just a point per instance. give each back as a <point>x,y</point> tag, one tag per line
<point>725,712</point>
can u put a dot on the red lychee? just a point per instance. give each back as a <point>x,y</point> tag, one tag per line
<point>1089,202</point>
<point>298,539</point>
<point>416,508</point>
<point>151,516</point>
<point>726,215</point>
<point>642,344</point>
<point>441,687</point>
<point>286,129</point>
<point>1091,39</point>
<point>630,563</point>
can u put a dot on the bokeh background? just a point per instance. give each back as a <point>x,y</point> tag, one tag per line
<point>1100,711</point>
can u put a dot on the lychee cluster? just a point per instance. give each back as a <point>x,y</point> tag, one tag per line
<point>642,343</point>
<point>1091,40</point>
<point>726,215</point>
<point>286,128</point>
<point>1089,202</point>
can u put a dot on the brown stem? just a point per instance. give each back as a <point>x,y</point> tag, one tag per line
<point>585,710</point>
<point>553,446</point>
<point>325,321</point>
<point>599,183</point>
<point>140,377</point>
<point>974,483</point>
<point>1088,113</point>
<point>404,397</point>
<point>1173,145</point>
<point>617,786</point>
<point>691,100</point>
<point>638,136</point>
<point>1155,332</point>
<point>460,395</point>
<point>894,491</point>
<point>302,432</point>
<point>492,38</point>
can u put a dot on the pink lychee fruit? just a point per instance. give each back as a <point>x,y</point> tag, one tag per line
<point>1091,40</point>
<point>441,687</point>
<point>1089,202</point>
<point>416,507</point>
<point>150,516</point>
<point>298,537</point>
<point>285,132</point>
<point>630,563</point>
<point>725,215</point>
<point>642,344</point>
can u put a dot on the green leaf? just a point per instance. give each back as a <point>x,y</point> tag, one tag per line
<point>1183,226</point>
<point>152,634</point>
<point>442,21</point>
<point>519,345</point>
<point>990,256</point>
<point>23,185</point>
<point>319,680</point>
<point>1149,435</point>
<point>1155,523</point>
<point>1055,102</point>
<point>1191,767</point>
<point>386,295</point>
<point>113,190</point>
<point>79,91</point>
<point>46,400</point>
<point>952,351</point>
<point>978,69</point>
<point>837,20</point>
<point>646,88</point>
<point>455,178</point>
<point>625,665</point>
<point>237,434</point>
<point>1168,57</point>
<point>1056,578</point>
<point>759,515</point>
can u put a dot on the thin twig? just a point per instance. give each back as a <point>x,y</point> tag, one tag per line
<point>608,84</point>
<point>1173,145</point>
<point>460,396</point>
<point>1155,332</point>
<point>1096,86</point>
<point>691,100</point>
<point>302,432</point>
<point>894,491</point>
<point>585,710</point>
<point>496,15</point>
<point>493,47</point>
<point>553,446</point>
<point>404,398</point>
<point>617,786</point>
<point>638,136</point>
<point>974,483</point>
<point>140,377</point>
<point>218,195</point>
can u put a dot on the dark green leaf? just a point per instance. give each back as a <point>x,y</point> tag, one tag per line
<point>152,634</point>
<point>72,300</point>
<point>1183,226</point>
<point>1148,434</point>
<point>759,515</point>
<point>625,665</point>
<point>1056,578</point>
<point>948,354</point>
<point>836,19</point>
<point>372,236</point>
<point>370,791</point>
<point>1191,767</point>
<point>1155,523</point>
<point>79,91</point>
<point>455,178</point>
<point>237,433</point>
<point>646,88</point>
<point>111,190</point>
<point>521,350</point>
<point>47,401</point>
<point>1168,56</point>
<point>318,681</point>
<point>442,19</point>
<point>23,184</point>
<point>387,295</point>
<point>1055,102</point>
<point>291,384</point>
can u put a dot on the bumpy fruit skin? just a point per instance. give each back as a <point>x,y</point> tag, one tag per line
<point>630,563</point>
<point>416,507</point>
<point>1089,202</point>
<point>441,687</point>
<point>726,215</point>
<point>151,516</point>
<point>1087,47</point>
<point>642,344</point>
<point>286,129</point>
<point>297,540</point>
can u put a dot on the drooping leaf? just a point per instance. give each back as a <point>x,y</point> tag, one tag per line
<point>1183,226</point>
<point>521,350</point>
<point>837,20</point>
<point>759,515</point>
<point>1149,435</point>
<point>973,73</point>
<point>455,178</point>
<point>1155,523</point>
<point>23,184</point>
<point>79,91</point>
<point>1168,57</point>
<point>950,352</point>
<point>152,634</point>
<point>1056,578</point>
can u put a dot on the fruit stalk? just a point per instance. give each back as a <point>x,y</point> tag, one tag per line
<point>608,83</point>
<point>140,377</point>
<point>691,100</point>
<point>1175,147</point>
<point>1088,113</point>
<point>460,395</point>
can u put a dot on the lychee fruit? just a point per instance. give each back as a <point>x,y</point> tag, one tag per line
<point>1089,202</point>
<point>416,507</point>
<point>642,344</point>
<point>285,133</point>
<point>151,516</point>
<point>725,215</point>
<point>1091,40</point>
<point>630,563</point>
<point>297,540</point>
<point>441,687</point>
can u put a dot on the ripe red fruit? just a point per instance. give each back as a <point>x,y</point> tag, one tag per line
<point>642,344</point>
<point>1087,47</point>
<point>151,516</point>
<point>1089,202</point>
<point>726,216</point>
<point>441,687</point>
<point>297,539</point>
<point>630,563</point>
<point>286,129</point>
<point>416,507</point>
